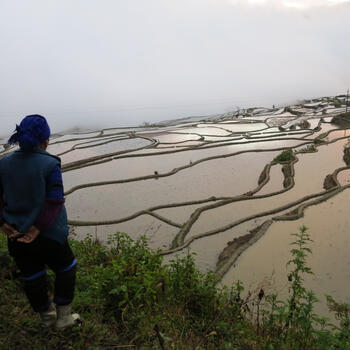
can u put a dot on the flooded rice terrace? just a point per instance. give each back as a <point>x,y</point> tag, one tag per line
<point>215,185</point>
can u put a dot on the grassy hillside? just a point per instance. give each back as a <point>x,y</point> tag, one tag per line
<point>130,300</point>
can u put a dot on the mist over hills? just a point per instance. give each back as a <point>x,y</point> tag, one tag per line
<point>123,63</point>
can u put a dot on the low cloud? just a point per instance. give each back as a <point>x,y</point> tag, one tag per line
<point>297,4</point>
<point>110,63</point>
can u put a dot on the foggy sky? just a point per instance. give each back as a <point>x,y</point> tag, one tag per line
<point>95,63</point>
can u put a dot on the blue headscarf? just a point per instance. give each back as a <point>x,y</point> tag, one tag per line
<point>31,132</point>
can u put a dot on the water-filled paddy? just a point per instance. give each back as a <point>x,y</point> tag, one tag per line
<point>142,166</point>
<point>162,169</point>
<point>110,147</point>
<point>239,128</point>
<point>199,182</point>
<point>309,175</point>
<point>328,225</point>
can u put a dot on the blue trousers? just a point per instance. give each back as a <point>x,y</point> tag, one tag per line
<point>32,259</point>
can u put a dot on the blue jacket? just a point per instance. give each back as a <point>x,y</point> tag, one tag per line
<point>23,186</point>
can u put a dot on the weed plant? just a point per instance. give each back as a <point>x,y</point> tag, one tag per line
<point>308,149</point>
<point>342,119</point>
<point>129,298</point>
<point>286,156</point>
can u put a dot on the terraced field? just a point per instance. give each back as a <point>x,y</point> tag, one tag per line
<point>231,187</point>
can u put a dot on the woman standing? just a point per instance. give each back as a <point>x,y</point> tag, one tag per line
<point>33,215</point>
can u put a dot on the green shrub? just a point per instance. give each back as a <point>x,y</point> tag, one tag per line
<point>337,103</point>
<point>308,149</point>
<point>286,156</point>
<point>342,119</point>
<point>196,292</point>
<point>129,297</point>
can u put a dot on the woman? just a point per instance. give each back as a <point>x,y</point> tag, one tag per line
<point>33,215</point>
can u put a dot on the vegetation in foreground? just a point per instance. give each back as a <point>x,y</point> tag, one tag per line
<point>130,299</point>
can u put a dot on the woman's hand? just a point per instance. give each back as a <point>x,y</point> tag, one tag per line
<point>27,237</point>
<point>10,231</point>
<point>30,236</point>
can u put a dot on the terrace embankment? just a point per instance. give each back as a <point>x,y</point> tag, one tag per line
<point>216,185</point>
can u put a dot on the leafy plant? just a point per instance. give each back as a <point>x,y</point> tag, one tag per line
<point>286,156</point>
<point>308,149</point>
<point>129,297</point>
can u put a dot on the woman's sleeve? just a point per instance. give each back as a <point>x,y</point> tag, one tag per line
<point>53,202</point>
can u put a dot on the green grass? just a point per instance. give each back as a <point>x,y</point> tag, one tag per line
<point>342,119</point>
<point>308,149</point>
<point>128,297</point>
<point>286,156</point>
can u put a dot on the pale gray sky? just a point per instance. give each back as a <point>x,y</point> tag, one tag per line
<point>122,62</point>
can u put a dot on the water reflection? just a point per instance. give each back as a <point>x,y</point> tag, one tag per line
<point>244,148</point>
<point>328,225</point>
